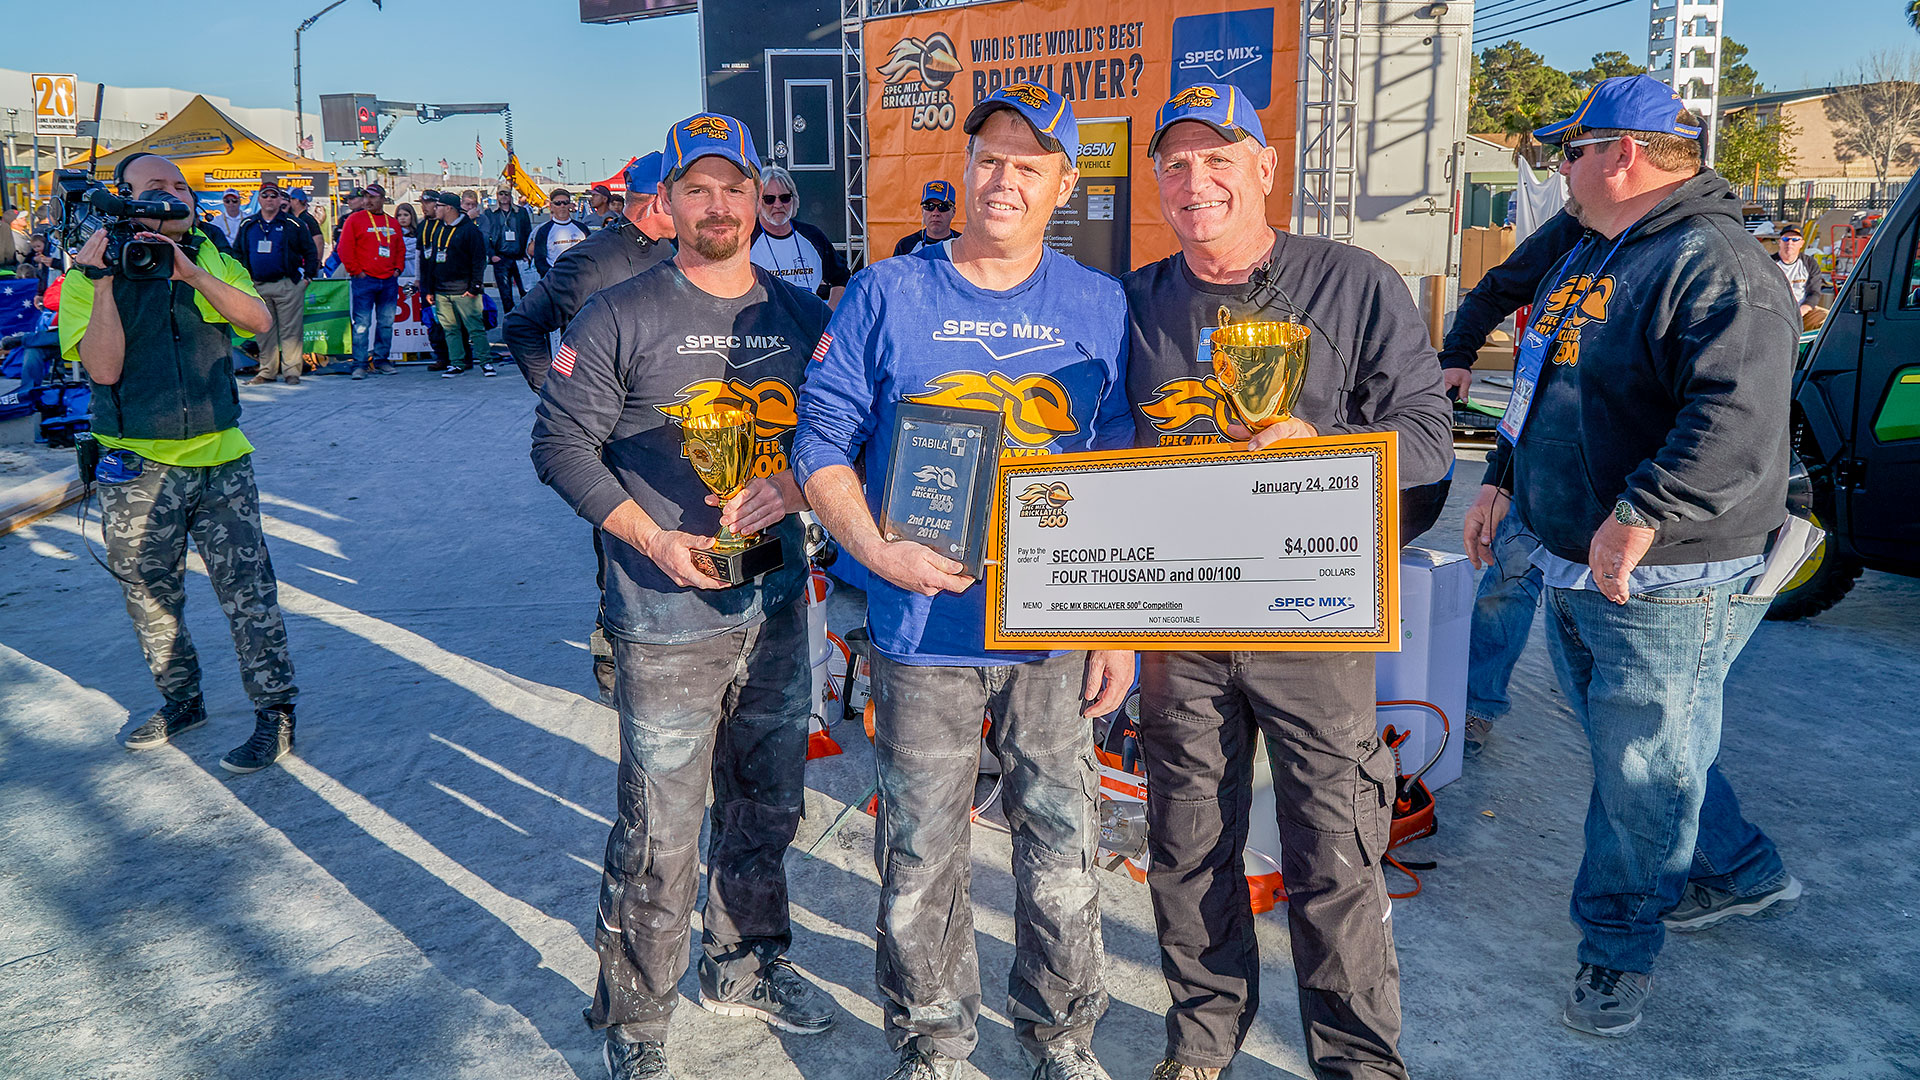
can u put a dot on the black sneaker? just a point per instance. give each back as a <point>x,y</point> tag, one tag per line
<point>171,719</point>
<point>635,1061</point>
<point>272,739</point>
<point>452,371</point>
<point>781,996</point>
<point>487,370</point>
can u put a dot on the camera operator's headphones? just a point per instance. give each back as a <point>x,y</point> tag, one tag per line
<point>189,243</point>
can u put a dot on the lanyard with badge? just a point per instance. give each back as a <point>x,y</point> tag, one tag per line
<point>1536,347</point>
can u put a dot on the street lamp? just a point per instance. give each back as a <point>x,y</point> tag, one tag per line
<point>299,100</point>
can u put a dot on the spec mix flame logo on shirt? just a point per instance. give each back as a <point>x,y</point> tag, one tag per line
<point>1035,408</point>
<point>1591,295</point>
<point>1048,502</point>
<point>1179,402</point>
<point>933,63</point>
<point>771,400</point>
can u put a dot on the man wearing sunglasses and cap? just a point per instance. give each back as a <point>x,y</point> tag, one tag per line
<point>995,314</point>
<point>1646,445</point>
<point>936,219</point>
<point>713,678</point>
<point>1203,715</point>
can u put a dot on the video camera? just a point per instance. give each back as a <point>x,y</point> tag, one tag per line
<point>86,206</point>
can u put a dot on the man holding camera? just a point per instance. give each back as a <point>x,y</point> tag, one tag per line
<point>173,462</point>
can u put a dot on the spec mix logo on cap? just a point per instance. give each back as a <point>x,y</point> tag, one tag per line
<point>711,126</point>
<point>1230,47</point>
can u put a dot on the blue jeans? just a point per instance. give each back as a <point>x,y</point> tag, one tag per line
<point>1502,618</point>
<point>374,301</point>
<point>1646,679</point>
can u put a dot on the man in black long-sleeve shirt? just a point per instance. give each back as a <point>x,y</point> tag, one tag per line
<point>1504,290</point>
<point>453,267</point>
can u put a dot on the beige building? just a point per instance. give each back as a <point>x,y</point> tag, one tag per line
<point>1815,155</point>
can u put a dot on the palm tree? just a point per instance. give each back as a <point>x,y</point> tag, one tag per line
<point>1913,14</point>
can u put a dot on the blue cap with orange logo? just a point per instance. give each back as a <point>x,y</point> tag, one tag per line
<point>937,189</point>
<point>708,135</point>
<point>1220,106</point>
<point>1049,114</point>
<point>1625,103</point>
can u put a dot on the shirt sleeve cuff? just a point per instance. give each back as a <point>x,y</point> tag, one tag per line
<point>601,500</point>
<point>812,455</point>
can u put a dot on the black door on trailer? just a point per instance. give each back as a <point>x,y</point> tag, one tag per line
<point>804,132</point>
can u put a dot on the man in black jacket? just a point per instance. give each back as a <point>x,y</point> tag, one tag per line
<point>507,228</point>
<point>1646,446</point>
<point>277,250</point>
<point>453,266</point>
<point>601,261</point>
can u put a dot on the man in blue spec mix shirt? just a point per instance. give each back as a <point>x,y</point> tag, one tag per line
<point>1646,445</point>
<point>711,680</point>
<point>994,321</point>
<point>1202,714</point>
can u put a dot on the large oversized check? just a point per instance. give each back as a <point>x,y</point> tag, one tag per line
<point>1199,547</point>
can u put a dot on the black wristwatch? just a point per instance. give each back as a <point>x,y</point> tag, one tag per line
<point>1626,513</point>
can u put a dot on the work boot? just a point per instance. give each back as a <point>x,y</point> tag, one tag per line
<point>386,367</point>
<point>916,1064</point>
<point>358,374</point>
<point>1702,906</point>
<point>1069,1061</point>
<point>293,380</point>
<point>1478,728</point>
<point>1606,1002</point>
<point>781,996</point>
<point>1173,1070</point>
<point>272,739</point>
<point>169,720</point>
<point>635,1061</point>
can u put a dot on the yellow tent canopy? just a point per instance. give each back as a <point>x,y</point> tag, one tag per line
<point>216,153</point>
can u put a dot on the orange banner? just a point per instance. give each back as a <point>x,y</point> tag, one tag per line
<point>1116,59</point>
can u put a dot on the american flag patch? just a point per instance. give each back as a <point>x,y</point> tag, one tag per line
<point>820,350</point>
<point>563,360</point>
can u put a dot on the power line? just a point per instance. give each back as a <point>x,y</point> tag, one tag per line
<point>1507,7</point>
<point>1561,19</point>
<point>1513,17</point>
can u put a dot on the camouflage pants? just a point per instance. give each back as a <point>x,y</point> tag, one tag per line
<point>147,521</point>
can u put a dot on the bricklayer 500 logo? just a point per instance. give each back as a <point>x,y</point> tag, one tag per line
<point>917,73</point>
<point>1048,502</point>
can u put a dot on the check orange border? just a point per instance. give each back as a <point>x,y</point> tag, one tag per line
<point>1384,636</point>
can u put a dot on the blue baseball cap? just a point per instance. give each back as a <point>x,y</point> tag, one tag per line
<point>1047,113</point>
<point>1625,103</point>
<point>1220,106</point>
<point>643,176</point>
<point>937,189</point>
<point>708,135</point>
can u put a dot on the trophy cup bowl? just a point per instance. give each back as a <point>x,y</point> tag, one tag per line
<point>719,446</point>
<point>1261,366</point>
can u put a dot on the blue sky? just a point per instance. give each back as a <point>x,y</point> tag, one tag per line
<point>595,94</point>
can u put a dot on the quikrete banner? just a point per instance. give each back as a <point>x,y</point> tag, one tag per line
<point>1117,60</point>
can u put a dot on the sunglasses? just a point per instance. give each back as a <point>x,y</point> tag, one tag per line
<point>775,200</point>
<point>563,202</point>
<point>230,198</point>
<point>1571,151</point>
<point>937,205</point>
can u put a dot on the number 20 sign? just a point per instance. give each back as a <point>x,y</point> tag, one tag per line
<point>56,107</point>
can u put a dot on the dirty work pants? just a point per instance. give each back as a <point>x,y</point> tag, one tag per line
<point>286,301</point>
<point>1333,781</point>
<point>732,709</point>
<point>1646,680</point>
<point>927,751</point>
<point>463,319</point>
<point>147,521</point>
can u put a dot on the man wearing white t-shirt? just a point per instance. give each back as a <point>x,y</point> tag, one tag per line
<point>555,235</point>
<point>792,250</point>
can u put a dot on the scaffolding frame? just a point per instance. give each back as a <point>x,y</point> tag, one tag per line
<point>1330,100</point>
<point>853,118</point>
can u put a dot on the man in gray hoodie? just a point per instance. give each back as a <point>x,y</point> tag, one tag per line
<point>1646,446</point>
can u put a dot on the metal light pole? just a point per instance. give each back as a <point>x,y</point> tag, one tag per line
<point>299,99</point>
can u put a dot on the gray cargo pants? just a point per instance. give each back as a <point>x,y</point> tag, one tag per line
<point>1333,779</point>
<point>280,347</point>
<point>927,750</point>
<point>732,708</point>
<point>147,521</point>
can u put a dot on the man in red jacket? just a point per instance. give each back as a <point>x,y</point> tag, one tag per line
<point>373,253</point>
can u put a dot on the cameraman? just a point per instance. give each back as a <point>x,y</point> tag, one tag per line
<point>174,463</point>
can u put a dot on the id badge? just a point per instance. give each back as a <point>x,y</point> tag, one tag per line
<point>509,234</point>
<point>440,256</point>
<point>386,252</point>
<point>1534,347</point>
<point>263,247</point>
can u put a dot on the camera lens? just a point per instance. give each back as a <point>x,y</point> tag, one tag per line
<point>138,258</point>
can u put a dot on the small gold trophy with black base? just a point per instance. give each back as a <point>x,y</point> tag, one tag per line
<point>719,445</point>
<point>1261,366</point>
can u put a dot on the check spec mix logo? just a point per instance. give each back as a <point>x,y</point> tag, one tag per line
<point>1048,502</point>
<point>1229,47</point>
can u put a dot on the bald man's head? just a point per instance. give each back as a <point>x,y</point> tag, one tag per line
<point>152,175</point>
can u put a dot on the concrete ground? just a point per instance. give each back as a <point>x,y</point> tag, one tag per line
<point>411,894</point>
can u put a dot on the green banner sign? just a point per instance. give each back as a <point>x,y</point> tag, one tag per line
<point>328,328</point>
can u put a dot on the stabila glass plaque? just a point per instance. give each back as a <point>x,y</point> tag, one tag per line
<point>940,479</point>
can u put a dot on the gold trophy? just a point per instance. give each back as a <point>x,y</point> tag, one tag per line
<point>719,445</point>
<point>1261,366</point>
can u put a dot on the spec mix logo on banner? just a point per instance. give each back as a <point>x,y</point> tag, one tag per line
<point>1229,47</point>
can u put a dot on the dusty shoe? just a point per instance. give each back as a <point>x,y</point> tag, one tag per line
<point>781,996</point>
<point>1606,1002</point>
<point>258,380</point>
<point>635,1061</point>
<point>358,375</point>
<point>1702,906</point>
<point>293,380</point>
<point>171,719</point>
<point>1069,1061</point>
<point>1173,1070</point>
<point>924,1065</point>
<point>1478,728</point>
<point>272,739</point>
